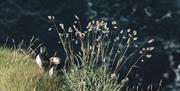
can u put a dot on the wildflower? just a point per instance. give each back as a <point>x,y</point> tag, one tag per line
<point>135,38</point>
<point>121,31</point>
<point>75,22</point>
<point>70,30</point>
<point>50,29</point>
<point>118,52</point>
<point>151,48</point>
<point>143,49</point>
<point>151,40</point>
<point>89,24</point>
<point>105,32</point>
<point>78,33</point>
<point>128,30</point>
<point>135,32</point>
<point>98,38</point>
<point>148,56</point>
<point>142,60</point>
<point>60,34</point>
<point>130,35</point>
<point>107,29</point>
<point>51,17</point>
<point>124,37</point>
<point>128,41</point>
<point>76,17</point>
<point>67,35</point>
<point>61,25</point>
<point>140,52</point>
<point>75,28</point>
<point>125,80</point>
<point>83,34</point>
<point>115,27</point>
<point>83,82</point>
<point>135,45</point>
<point>113,75</point>
<point>76,42</point>
<point>117,38</point>
<point>90,47</point>
<point>98,28</point>
<point>98,23</point>
<point>105,24</point>
<point>90,29</point>
<point>72,70</point>
<point>101,22</point>
<point>79,53</point>
<point>104,60</point>
<point>93,22</point>
<point>114,23</point>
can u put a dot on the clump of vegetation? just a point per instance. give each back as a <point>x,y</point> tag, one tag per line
<point>96,54</point>
<point>18,72</point>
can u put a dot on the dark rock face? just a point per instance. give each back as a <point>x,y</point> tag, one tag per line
<point>159,19</point>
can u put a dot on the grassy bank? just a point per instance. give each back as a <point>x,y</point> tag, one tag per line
<point>18,72</point>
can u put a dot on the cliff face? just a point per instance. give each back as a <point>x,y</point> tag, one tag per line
<point>151,18</point>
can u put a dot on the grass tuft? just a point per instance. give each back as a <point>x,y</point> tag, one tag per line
<point>96,54</point>
<point>18,72</point>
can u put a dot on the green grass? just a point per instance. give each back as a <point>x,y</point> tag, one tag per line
<point>18,72</point>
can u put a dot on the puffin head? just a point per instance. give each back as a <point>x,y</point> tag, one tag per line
<point>43,49</point>
<point>55,60</point>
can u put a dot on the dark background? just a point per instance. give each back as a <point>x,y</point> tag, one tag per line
<point>159,19</point>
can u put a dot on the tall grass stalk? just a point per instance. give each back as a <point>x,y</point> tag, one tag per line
<point>96,54</point>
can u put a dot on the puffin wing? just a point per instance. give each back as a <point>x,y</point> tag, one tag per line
<point>39,61</point>
<point>51,72</point>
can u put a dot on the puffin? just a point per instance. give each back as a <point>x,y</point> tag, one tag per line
<point>56,68</point>
<point>42,60</point>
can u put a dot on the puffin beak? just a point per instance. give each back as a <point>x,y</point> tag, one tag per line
<point>51,61</point>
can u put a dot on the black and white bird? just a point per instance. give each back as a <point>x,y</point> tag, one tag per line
<point>56,68</point>
<point>42,59</point>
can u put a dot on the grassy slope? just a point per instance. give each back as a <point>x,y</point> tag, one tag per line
<point>18,72</point>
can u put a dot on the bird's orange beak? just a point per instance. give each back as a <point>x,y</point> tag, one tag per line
<point>50,61</point>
